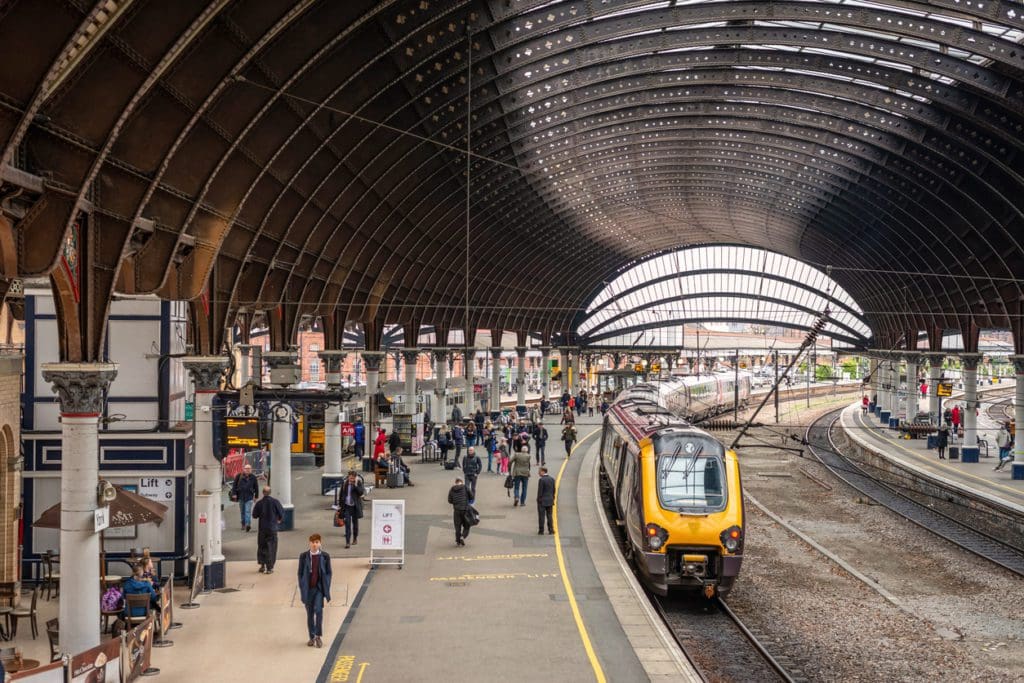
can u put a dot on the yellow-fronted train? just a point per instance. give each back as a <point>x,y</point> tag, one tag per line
<point>676,491</point>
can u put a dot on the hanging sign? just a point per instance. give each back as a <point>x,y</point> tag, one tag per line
<point>348,429</point>
<point>944,389</point>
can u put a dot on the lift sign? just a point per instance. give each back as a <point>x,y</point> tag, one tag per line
<point>944,389</point>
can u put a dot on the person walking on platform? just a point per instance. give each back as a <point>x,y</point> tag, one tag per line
<point>359,435</point>
<point>458,440</point>
<point>520,477</point>
<point>270,512</point>
<point>472,466</point>
<point>540,437</point>
<point>569,438</point>
<point>503,456</point>
<point>245,490</point>
<point>349,501</point>
<point>394,441</point>
<point>942,441</point>
<point>458,498</point>
<point>1003,441</point>
<point>545,501</point>
<point>315,588</point>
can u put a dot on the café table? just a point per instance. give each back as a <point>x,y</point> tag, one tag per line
<point>15,665</point>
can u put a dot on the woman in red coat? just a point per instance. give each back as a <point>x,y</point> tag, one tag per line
<point>380,443</point>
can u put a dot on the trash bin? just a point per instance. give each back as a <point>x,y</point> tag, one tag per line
<point>954,452</point>
<point>1017,471</point>
<point>932,442</point>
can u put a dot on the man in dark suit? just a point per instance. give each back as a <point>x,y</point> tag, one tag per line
<point>545,501</point>
<point>349,500</point>
<point>270,512</point>
<point>540,437</point>
<point>315,588</point>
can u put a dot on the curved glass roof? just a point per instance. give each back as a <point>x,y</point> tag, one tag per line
<point>717,284</point>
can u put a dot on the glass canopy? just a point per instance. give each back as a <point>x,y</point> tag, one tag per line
<point>717,284</point>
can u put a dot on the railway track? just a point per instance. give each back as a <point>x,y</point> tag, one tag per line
<point>717,643</point>
<point>1001,409</point>
<point>821,445</point>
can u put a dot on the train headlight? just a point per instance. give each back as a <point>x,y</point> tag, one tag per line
<point>732,538</point>
<point>656,536</point>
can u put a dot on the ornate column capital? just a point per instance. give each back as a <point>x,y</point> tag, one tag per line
<point>545,350</point>
<point>410,355</point>
<point>333,361</point>
<point>206,371</point>
<point>521,351</point>
<point>496,352</point>
<point>1018,364</point>
<point>469,353</point>
<point>372,360</point>
<point>81,387</point>
<point>439,354</point>
<point>277,359</point>
<point>970,360</point>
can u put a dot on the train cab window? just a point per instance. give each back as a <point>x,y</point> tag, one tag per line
<point>691,474</point>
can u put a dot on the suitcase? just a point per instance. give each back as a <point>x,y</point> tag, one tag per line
<point>396,480</point>
<point>449,465</point>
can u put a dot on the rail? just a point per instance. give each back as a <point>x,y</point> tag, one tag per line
<point>818,438</point>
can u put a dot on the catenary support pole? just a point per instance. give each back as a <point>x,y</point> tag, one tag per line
<point>82,388</point>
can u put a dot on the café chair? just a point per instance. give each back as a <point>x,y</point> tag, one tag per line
<point>133,602</point>
<point>19,613</point>
<point>51,578</point>
<point>53,633</point>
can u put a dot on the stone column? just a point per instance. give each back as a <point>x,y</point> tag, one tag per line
<point>912,392</point>
<point>545,375</point>
<point>521,380</point>
<point>969,452</point>
<point>371,364</point>
<point>208,479</point>
<point>495,381</point>
<point>244,374</point>
<point>439,411</point>
<point>333,473</point>
<point>1018,446</point>
<point>410,356</point>
<point>281,442</point>
<point>934,376</point>
<point>257,365</point>
<point>81,388</point>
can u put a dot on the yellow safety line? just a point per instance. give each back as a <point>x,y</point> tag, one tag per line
<point>591,655</point>
<point>924,459</point>
<point>362,670</point>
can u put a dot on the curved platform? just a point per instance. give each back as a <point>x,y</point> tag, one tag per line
<point>976,480</point>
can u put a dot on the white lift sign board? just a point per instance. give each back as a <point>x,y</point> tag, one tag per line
<point>160,489</point>
<point>387,544</point>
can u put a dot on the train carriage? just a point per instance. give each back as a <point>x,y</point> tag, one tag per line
<point>677,491</point>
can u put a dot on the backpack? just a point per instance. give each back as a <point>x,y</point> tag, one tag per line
<point>112,600</point>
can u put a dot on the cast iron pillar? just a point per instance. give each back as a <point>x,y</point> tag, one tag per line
<point>82,388</point>
<point>438,409</point>
<point>545,373</point>
<point>969,452</point>
<point>934,378</point>
<point>372,361</point>
<point>411,357</point>
<point>332,475</point>
<point>281,442</point>
<point>206,372</point>
<point>1018,445</point>
<point>469,354</point>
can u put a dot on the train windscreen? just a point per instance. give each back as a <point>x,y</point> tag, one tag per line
<point>691,473</point>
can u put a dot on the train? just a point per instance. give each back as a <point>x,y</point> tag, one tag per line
<point>676,492</point>
<point>698,397</point>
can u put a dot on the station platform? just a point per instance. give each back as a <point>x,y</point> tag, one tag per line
<point>509,605</point>
<point>978,479</point>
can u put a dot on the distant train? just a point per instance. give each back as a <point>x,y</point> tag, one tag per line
<point>697,398</point>
<point>677,492</point>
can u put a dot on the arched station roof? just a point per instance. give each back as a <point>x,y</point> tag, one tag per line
<point>720,283</point>
<point>309,156</point>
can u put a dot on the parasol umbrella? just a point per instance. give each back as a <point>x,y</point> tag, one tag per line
<point>127,509</point>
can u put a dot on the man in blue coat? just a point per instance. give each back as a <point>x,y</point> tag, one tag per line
<point>315,588</point>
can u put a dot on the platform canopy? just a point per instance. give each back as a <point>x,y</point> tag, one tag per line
<point>308,157</point>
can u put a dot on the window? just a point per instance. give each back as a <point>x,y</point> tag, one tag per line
<point>314,348</point>
<point>314,371</point>
<point>691,474</point>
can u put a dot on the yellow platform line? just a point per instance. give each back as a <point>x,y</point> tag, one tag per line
<point>580,626</point>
